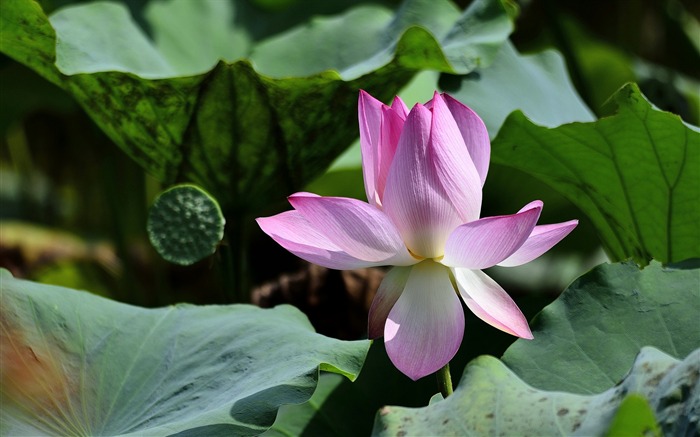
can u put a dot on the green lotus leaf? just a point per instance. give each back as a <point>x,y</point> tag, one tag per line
<point>77,364</point>
<point>492,400</point>
<point>636,174</point>
<point>537,84</point>
<point>585,340</point>
<point>248,116</point>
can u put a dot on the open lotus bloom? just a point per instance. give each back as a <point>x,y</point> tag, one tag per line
<point>423,173</point>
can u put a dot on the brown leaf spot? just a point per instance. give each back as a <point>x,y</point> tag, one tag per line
<point>31,373</point>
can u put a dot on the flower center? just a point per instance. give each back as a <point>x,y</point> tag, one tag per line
<point>436,259</point>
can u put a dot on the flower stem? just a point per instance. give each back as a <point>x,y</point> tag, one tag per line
<point>444,380</point>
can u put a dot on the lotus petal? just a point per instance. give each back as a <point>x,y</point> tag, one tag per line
<point>485,298</point>
<point>485,242</point>
<point>425,327</point>
<point>414,198</point>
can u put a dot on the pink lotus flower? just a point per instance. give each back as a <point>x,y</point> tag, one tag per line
<point>423,172</point>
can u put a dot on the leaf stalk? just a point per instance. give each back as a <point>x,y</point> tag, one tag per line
<point>444,380</point>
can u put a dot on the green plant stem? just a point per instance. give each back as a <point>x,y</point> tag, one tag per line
<point>444,380</point>
<point>228,270</point>
<point>235,260</point>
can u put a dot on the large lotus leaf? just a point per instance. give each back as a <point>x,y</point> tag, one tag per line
<point>492,400</point>
<point>78,364</point>
<point>585,340</point>
<point>636,174</point>
<point>248,129</point>
<point>297,420</point>
<point>460,43</point>
<point>537,85</point>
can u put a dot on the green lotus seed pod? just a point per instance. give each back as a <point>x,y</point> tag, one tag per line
<point>185,224</point>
